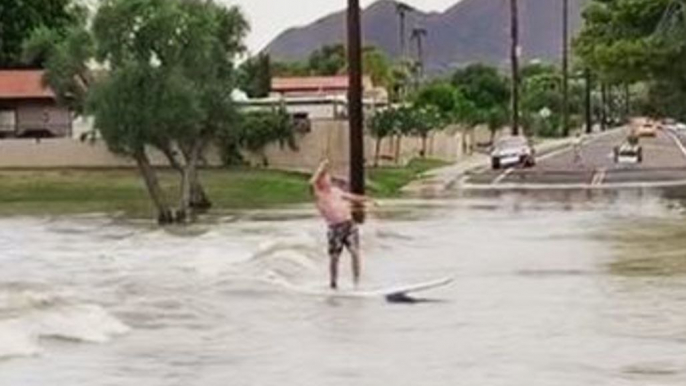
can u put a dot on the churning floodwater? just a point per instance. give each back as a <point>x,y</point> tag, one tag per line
<point>567,288</point>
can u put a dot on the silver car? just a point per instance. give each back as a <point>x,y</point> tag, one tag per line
<point>512,151</point>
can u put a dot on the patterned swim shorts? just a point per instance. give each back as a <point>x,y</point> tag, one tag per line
<point>342,235</point>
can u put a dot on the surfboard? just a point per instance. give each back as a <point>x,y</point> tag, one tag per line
<point>400,293</point>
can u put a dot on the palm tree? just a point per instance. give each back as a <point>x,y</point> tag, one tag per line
<point>419,33</point>
<point>403,9</point>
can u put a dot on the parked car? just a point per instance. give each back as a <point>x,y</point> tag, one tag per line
<point>629,152</point>
<point>512,151</point>
<point>668,124</point>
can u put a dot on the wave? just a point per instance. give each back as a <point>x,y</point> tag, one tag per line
<point>85,323</point>
<point>20,337</point>
<point>292,259</point>
<point>16,341</point>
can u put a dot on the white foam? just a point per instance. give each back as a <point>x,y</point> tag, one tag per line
<point>86,323</point>
<point>20,337</point>
<point>16,341</point>
<point>18,300</point>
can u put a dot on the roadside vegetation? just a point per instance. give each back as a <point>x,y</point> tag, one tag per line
<point>122,191</point>
<point>168,86</point>
<point>112,191</point>
<point>638,46</point>
<point>386,182</point>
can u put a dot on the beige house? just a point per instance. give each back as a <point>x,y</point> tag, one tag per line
<point>28,109</point>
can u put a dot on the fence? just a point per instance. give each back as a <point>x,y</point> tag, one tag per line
<point>327,138</point>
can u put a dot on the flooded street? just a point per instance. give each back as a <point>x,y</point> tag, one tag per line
<point>568,288</point>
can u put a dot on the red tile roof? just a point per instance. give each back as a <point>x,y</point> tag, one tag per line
<point>314,83</point>
<point>23,84</point>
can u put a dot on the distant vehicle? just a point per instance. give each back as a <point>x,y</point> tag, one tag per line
<point>630,152</point>
<point>679,126</point>
<point>647,129</point>
<point>669,124</point>
<point>512,151</point>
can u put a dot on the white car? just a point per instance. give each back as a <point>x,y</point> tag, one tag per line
<point>628,153</point>
<point>512,151</point>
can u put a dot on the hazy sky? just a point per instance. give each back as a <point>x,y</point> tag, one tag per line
<point>269,17</point>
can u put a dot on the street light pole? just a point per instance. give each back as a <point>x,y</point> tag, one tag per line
<point>565,67</point>
<point>514,56</point>
<point>589,102</point>
<point>355,113</point>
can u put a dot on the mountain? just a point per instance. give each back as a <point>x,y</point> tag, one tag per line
<point>470,31</point>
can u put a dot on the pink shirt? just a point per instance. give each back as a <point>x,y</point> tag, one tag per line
<point>332,205</point>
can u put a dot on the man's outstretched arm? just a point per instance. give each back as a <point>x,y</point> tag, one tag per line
<point>357,199</point>
<point>321,171</point>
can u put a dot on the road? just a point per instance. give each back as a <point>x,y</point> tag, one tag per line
<point>664,164</point>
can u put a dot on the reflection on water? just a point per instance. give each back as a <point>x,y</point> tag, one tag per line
<point>555,288</point>
<point>649,247</point>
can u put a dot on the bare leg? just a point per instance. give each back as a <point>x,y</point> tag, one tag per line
<point>333,270</point>
<point>357,265</point>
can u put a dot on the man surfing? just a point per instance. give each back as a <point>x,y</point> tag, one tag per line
<point>335,206</point>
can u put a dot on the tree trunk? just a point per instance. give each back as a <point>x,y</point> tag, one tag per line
<point>198,198</point>
<point>377,151</point>
<point>424,139</point>
<point>168,152</point>
<point>189,178</point>
<point>398,146</point>
<point>164,213</point>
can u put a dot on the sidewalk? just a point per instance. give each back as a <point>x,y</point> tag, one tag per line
<point>440,180</point>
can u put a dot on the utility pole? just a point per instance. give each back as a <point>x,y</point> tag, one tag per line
<point>419,34</point>
<point>589,101</point>
<point>627,101</point>
<point>603,106</point>
<point>355,113</point>
<point>565,68</point>
<point>514,56</point>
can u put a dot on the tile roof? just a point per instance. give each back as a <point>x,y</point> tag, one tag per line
<point>23,84</point>
<point>314,83</point>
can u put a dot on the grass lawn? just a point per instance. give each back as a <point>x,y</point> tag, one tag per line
<point>387,181</point>
<point>123,190</point>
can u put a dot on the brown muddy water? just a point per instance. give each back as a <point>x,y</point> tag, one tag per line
<point>566,288</point>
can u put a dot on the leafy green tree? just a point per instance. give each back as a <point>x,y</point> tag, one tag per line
<point>258,129</point>
<point>440,95</point>
<point>127,129</point>
<point>482,85</point>
<point>255,76</point>
<point>495,119</point>
<point>328,60</point>
<point>377,65</point>
<point>626,42</point>
<point>19,18</point>
<point>485,96</point>
<point>381,125</point>
<point>193,40</point>
<point>287,69</point>
<point>426,120</point>
<point>65,55</point>
<point>170,75</point>
<point>405,123</point>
